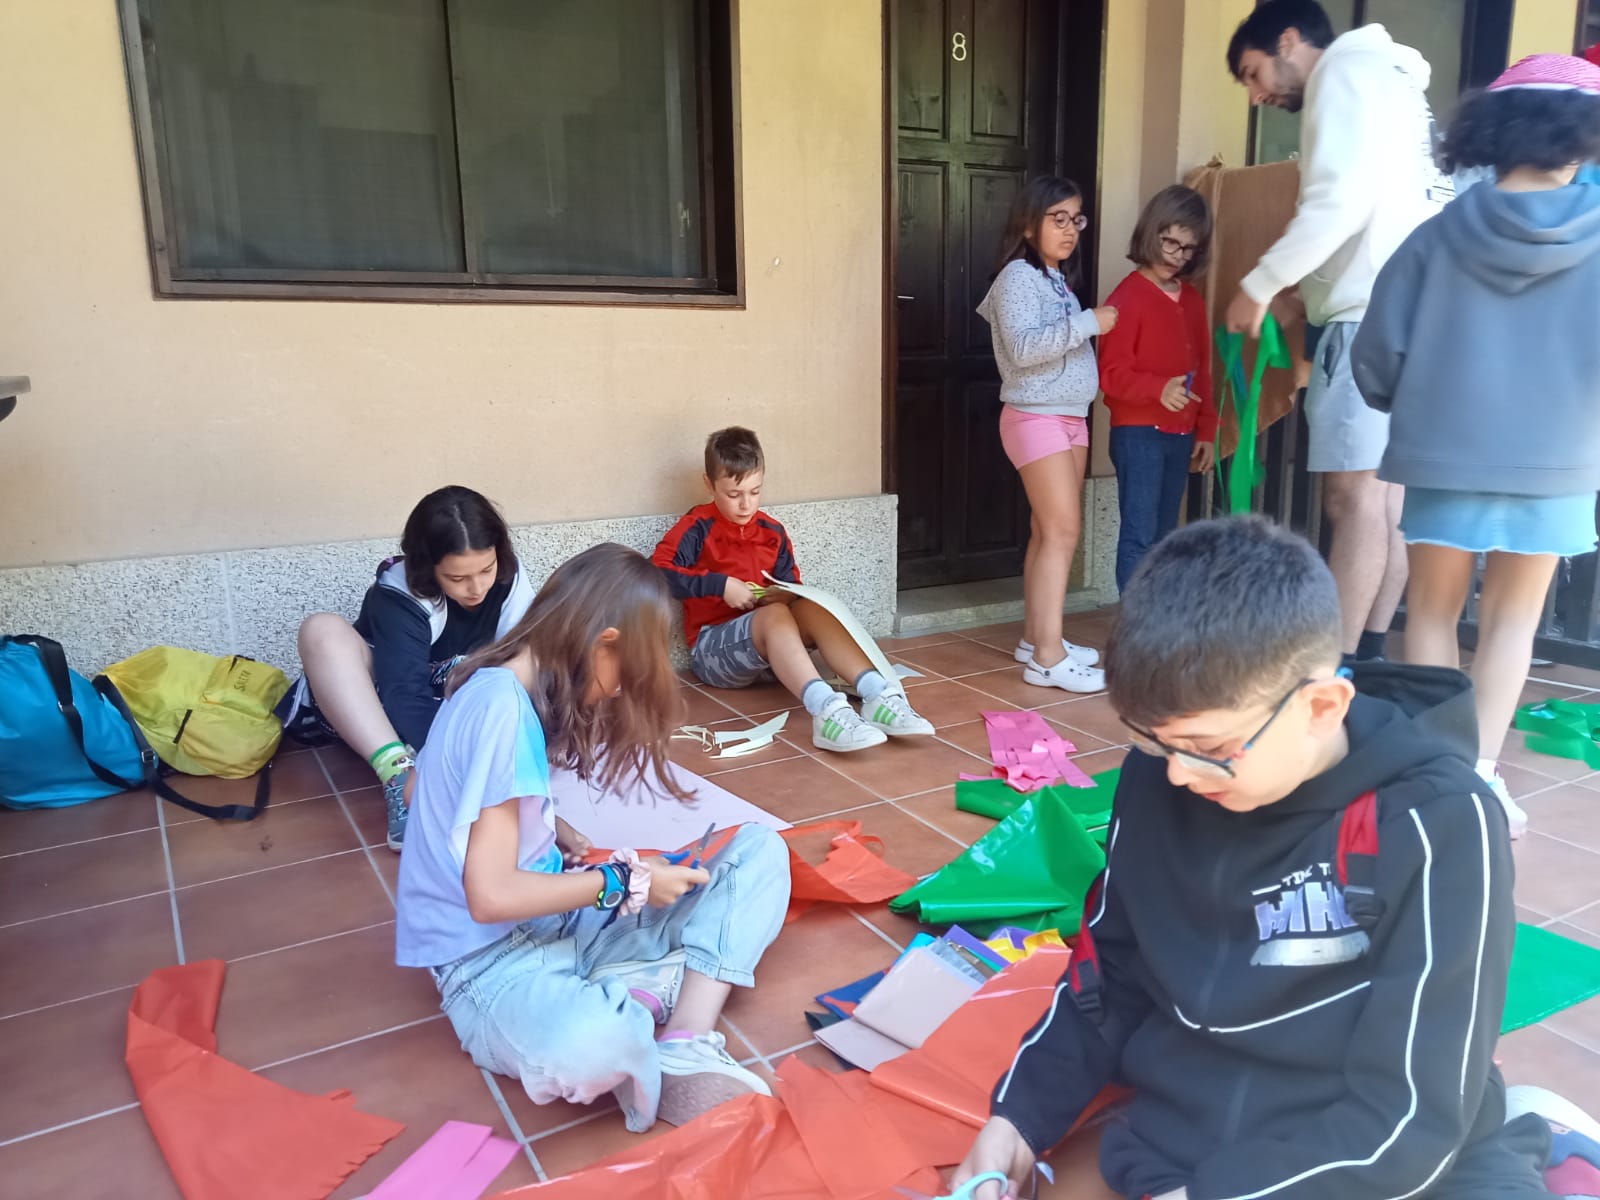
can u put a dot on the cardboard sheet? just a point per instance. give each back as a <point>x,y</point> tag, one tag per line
<point>638,815</point>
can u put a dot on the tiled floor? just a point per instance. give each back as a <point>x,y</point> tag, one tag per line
<point>301,904</point>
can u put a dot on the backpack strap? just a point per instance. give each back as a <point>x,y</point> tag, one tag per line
<point>1356,863</point>
<point>54,659</point>
<point>1084,979</point>
<point>152,766</point>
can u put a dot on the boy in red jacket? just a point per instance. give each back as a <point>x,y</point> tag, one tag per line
<point>716,555</point>
<point>1155,370</point>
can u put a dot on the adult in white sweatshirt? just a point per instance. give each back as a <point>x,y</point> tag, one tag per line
<point>1368,177</point>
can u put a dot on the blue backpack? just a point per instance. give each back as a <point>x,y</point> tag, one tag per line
<point>61,741</point>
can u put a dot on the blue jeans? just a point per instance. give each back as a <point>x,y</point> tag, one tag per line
<point>539,1006</point>
<point>1152,476</point>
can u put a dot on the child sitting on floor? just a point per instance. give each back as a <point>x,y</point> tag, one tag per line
<point>1297,953</point>
<point>711,559</point>
<point>549,973</point>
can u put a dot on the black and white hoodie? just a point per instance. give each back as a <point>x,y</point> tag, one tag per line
<point>1288,1037</point>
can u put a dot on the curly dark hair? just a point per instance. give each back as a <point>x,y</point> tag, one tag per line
<point>1523,127</point>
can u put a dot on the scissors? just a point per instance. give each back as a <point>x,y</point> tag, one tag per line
<point>698,854</point>
<point>966,1191</point>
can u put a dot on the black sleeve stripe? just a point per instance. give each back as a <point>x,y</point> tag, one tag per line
<point>691,545</point>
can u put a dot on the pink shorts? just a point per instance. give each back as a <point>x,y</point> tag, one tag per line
<point>1028,437</point>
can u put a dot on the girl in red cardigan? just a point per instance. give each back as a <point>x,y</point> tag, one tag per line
<point>1155,370</point>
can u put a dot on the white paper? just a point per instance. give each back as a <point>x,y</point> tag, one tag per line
<point>637,816</point>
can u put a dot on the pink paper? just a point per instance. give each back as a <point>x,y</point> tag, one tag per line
<point>1028,754</point>
<point>458,1162</point>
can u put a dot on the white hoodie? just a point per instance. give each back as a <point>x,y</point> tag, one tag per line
<point>1367,176</point>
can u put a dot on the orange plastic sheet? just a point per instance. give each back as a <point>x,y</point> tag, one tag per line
<point>228,1134</point>
<point>851,871</point>
<point>839,1137</point>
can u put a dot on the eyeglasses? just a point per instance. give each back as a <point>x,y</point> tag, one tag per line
<point>1062,220</point>
<point>1199,764</point>
<point>1176,249</point>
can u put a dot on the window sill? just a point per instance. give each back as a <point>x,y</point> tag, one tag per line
<point>394,293</point>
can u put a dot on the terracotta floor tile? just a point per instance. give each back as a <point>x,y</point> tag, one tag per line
<point>906,766</point>
<point>1092,715</point>
<point>1568,812</point>
<point>1541,1056</point>
<point>208,789</point>
<point>1517,753</point>
<point>371,815</point>
<point>63,1064</point>
<point>956,659</point>
<point>1583,677</point>
<point>1536,689</point>
<point>818,1056</point>
<point>1097,761</point>
<point>1583,924</point>
<point>113,1158</point>
<point>693,756</point>
<point>46,882</point>
<point>908,843</point>
<point>389,867</point>
<point>939,808</point>
<point>923,641</point>
<point>795,790</point>
<point>1523,782</point>
<point>417,1075</point>
<point>283,907</point>
<point>1003,636</point>
<point>283,834</point>
<point>1009,691</point>
<point>310,997</point>
<point>1552,877</point>
<point>1581,1023</point>
<point>80,954</point>
<point>347,768</point>
<point>825,948</point>
<point>1077,1171</point>
<point>573,1149</point>
<point>40,828</point>
<point>763,698</point>
<point>947,703</point>
<point>298,777</point>
<point>1577,934</point>
<point>699,708</point>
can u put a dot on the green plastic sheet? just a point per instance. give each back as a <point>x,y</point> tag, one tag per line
<point>998,799</point>
<point>1549,973</point>
<point>1562,729</point>
<point>1239,484</point>
<point>1032,870</point>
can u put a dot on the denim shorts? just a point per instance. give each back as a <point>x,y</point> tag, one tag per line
<point>539,1005</point>
<point>725,656</point>
<point>1484,521</point>
<point>1343,433</point>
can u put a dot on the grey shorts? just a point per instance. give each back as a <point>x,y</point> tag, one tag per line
<point>725,656</point>
<point>1344,434</point>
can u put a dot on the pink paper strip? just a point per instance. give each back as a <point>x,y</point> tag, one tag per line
<point>1028,754</point>
<point>458,1162</point>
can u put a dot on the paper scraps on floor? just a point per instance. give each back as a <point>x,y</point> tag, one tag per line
<point>1549,973</point>
<point>636,814</point>
<point>733,743</point>
<point>841,612</point>
<point>225,1131</point>
<point>458,1162</point>
<point>1028,754</point>
<point>1562,729</point>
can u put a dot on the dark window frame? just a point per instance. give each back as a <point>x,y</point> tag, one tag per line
<point>1588,31</point>
<point>717,80</point>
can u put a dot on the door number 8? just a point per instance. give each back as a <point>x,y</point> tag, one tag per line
<point>958,47</point>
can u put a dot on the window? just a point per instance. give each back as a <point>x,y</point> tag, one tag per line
<point>438,149</point>
<point>1588,25</point>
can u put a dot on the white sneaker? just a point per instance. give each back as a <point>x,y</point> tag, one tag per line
<point>697,1074</point>
<point>1084,656</point>
<point>654,982</point>
<point>892,713</point>
<point>840,729</point>
<point>1515,816</point>
<point>1066,675</point>
<point>1524,1098</point>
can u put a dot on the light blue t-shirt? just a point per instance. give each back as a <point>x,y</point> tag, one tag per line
<point>486,747</point>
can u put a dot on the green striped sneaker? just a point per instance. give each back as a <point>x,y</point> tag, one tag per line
<point>892,713</point>
<point>840,729</point>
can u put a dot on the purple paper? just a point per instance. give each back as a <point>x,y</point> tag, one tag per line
<point>458,1162</point>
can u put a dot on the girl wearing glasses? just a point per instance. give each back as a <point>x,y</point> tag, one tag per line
<point>1156,373</point>
<point>1048,380</point>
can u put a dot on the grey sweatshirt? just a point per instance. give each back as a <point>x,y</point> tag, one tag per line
<point>1483,343</point>
<point>1041,342</point>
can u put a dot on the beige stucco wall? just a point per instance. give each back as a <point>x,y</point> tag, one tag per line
<point>1543,27</point>
<point>172,426</point>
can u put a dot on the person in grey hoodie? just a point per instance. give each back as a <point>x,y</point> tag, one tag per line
<point>1367,179</point>
<point>1480,343</point>
<point>1048,380</point>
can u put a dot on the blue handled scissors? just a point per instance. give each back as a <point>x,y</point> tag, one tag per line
<point>697,855</point>
<point>966,1191</point>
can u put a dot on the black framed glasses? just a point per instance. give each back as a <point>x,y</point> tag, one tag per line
<point>1173,248</point>
<point>1214,768</point>
<point>1063,220</point>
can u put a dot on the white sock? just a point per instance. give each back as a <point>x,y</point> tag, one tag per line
<point>871,684</point>
<point>818,697</point>
<point>1488,768</point>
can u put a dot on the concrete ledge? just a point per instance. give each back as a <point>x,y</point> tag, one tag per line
<point>252,601</point>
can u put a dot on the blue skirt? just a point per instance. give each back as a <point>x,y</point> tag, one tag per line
<point>1483,521</point>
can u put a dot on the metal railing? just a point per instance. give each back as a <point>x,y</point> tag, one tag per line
<point>1569,631</point>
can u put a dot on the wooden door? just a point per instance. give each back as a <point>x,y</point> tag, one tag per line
<point>976,90</point>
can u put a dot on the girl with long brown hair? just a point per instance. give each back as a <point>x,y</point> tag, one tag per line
<point>549,972</point>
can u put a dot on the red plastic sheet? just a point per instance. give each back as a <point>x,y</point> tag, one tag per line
<point>228,1134</point>
<point>839,1137</point>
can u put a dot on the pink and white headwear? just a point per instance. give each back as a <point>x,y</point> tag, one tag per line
<point>1551,73</point>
